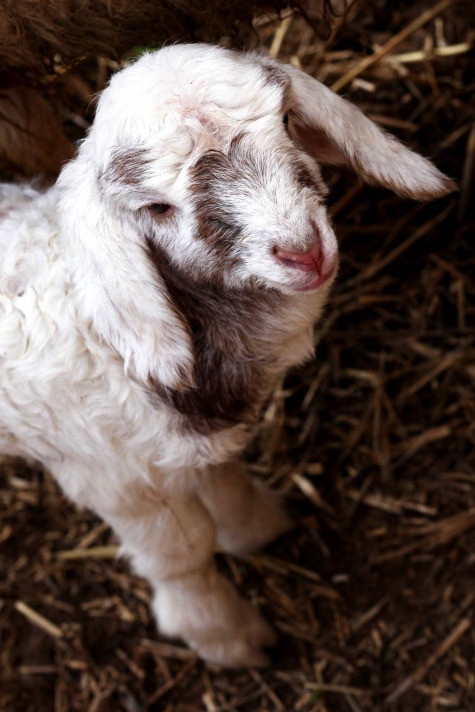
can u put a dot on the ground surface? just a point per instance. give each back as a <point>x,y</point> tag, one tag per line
<point>373,592</point>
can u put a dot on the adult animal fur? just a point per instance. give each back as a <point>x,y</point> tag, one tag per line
<point>150,300</point>
<point>39,38</point>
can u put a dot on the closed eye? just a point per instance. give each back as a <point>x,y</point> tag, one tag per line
<point>160,209</point>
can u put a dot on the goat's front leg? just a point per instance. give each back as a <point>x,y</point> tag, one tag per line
<point>247,514</point>
<point>171,542</point>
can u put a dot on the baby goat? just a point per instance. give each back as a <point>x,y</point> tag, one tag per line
<point>151,299</point>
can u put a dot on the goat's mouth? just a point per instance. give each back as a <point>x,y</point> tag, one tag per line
<point>308,270</point>
<point>318,280</point>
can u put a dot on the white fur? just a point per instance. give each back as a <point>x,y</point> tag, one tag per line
<point>86,321</point>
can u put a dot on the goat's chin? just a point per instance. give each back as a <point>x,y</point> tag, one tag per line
<point>304,287</point>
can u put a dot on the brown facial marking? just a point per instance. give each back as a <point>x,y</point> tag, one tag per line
<point>127,167</point>
<point>275,75</point>
<point>215,224</point>
<point>231,332</point>
<point>306,179</point>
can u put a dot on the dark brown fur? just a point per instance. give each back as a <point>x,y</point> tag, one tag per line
<point>232,340</point>
<point>37,38</point>
<point>127,167</point>
<point>274,74</point>
<point>306,179</point>
<point>216,225</point>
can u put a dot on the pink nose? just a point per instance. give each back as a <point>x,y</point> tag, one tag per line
<point>313,261</point>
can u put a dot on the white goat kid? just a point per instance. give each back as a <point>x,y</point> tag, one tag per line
<point>150,300</point>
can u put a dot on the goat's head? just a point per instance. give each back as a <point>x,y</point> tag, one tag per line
<point>212,157</point>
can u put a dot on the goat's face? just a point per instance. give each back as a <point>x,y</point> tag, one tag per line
<point>198,146</point>
<point>211,159</point>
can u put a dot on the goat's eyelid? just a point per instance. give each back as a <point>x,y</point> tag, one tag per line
<point>161,210</point>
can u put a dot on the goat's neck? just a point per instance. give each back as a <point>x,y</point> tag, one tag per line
<point>242,342</point>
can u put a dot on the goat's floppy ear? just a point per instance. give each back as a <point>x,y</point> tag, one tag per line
<point>334,131</point>
<point>120,292</point>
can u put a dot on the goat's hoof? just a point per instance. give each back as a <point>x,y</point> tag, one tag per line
<point>242,647</point>
<point>207,613</point>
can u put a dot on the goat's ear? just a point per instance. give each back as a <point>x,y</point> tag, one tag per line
<point>120,292</point>
<point>334,131</point>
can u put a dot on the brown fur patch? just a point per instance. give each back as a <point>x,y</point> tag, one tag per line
<point>233,333</point>
<point>274,74</point>
<point>127,167</point>
<point>306,179</point>
<point>215,224</point>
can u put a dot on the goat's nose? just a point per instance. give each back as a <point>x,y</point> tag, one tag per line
<point>311,261</point>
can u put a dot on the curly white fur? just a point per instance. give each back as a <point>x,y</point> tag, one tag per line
<point>95,353</point>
